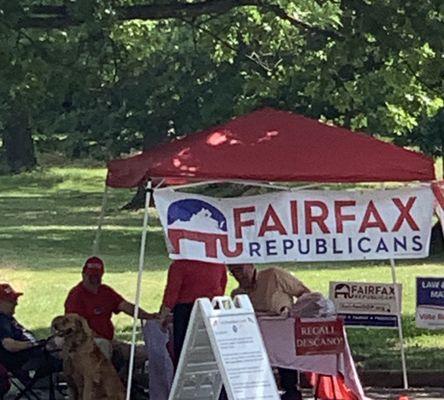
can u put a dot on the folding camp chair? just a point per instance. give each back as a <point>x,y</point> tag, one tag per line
<point>5,382</point>
<point>24,380</point>
<point>24,386</point>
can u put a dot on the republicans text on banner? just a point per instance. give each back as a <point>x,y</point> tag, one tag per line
<point>298,226</point>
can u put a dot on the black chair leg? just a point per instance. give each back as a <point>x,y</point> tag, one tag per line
<point>27,391</point>
<point>51,387</point>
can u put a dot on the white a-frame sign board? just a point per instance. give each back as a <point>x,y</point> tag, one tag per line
<point>223,345</point>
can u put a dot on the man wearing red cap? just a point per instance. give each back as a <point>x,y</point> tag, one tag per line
<point>97,302</point>
<point>19,349</point>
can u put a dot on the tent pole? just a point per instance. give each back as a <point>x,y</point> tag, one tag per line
<point>248,183</point>
<point>148,194</point>
<point>399,317</point>
<point>96,242</point>
<point>193,184</point>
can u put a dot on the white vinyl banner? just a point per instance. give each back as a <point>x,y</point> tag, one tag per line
<point>438,190</point>
<point>307,225</point>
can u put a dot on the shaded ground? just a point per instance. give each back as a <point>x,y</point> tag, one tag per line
<point>372,393</point>
<point>412,394</point>
<point>397,394</point>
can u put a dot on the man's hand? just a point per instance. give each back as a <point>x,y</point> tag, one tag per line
<point>147,315</point>
<point>41,343</point>
<point>165,317</point>
<point>164,323</point>
<point>285,312</point>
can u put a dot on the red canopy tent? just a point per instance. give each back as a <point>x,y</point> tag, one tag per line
<point>274,146</point>
<point>268,145</point>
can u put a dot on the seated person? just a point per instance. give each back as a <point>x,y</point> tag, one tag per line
<point>97,302</point>
<point>271,290</point>
<point>19,349</point>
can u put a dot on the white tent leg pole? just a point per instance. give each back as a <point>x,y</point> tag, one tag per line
<point>138,290</point>
<point>399,317</point>
<point>96,243</point>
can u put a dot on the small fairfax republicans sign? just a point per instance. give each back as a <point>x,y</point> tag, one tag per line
<point>298,226</point>
<point>366,304</point>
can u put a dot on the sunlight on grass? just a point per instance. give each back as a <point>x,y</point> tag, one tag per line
<point>438,168</point>
<point>48,224</point>
<point>44,228</point>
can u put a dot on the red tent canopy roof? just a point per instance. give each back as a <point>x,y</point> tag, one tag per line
<point>274,146</point>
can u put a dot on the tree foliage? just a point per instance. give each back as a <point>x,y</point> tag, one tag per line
<point>100,78</point>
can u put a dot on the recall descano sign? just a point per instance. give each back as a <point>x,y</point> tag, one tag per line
<point>319,336</point>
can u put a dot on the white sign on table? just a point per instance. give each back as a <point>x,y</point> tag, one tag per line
<point>223,345</point>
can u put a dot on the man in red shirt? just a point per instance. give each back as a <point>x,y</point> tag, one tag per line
<point>187,281</point>
<point>97,302</point>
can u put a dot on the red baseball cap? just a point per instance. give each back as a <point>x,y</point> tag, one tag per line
<point>8,293</point>
<point>94,266</point>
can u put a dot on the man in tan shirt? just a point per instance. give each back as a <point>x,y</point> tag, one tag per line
<point>271,290</point>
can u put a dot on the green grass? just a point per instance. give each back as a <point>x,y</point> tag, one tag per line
<point>47,226</point>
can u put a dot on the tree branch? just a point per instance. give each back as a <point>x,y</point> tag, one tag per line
<point>419,79</point>
<point>58,17</point>
<point>280,12</point>
<point>54,17</point>
<point>255,60</point>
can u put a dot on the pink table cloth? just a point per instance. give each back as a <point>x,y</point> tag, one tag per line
<point>279,338</point>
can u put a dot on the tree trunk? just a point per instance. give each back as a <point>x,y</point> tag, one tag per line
<point>138,200</point>
<point>18,142</point>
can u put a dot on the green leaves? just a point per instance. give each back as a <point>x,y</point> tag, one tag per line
<point>103,86</point>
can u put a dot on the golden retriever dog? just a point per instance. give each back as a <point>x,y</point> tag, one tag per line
<point>90,375</point>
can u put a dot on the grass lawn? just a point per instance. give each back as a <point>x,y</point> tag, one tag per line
<point>47,226</point>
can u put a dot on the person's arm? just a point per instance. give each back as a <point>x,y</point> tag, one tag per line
<point>128,308</point>
<point>7,340</point>
<point>14,346</point>
<point>171,292</point>
<point>173,286</point>
<point>290,284</point>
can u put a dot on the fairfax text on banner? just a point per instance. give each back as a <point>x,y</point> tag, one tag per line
<point>298,226</point>
<point>366,304</point>
<point>430,303</point>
